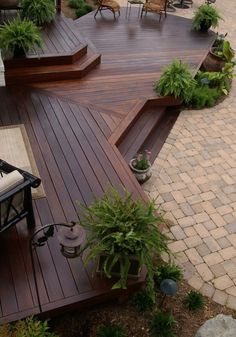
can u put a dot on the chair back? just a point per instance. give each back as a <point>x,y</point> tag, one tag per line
<point>161,3</point>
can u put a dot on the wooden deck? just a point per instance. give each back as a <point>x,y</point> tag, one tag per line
<point>74,128</point>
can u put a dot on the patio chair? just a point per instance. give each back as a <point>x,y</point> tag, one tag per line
<point>111,5</point>
<point>15,196</point>
<point>155,6</point>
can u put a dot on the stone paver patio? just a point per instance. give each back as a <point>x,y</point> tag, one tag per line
<point>194,181</point>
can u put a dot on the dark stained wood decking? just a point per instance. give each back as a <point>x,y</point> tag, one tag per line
<point>73,128</point>
<point>75,162</point>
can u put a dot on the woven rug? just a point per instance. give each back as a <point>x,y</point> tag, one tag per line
<point>15,149</point>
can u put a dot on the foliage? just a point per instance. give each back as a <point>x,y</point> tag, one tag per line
<point>207,14</point>
<point>141,161</point>
<point>19,34</point>
<point>30,327</point>
<point>203,96</point>
<point>121,226</point>
<point>219,80</point>
<point>142,300</point>
<point>111,330</point>
<point>38,11</point>
<point>176,81</point>
<point>167,271</point>
<point>193,301</point>
<point>76,3</point>
<point>225,51</point>
<point>163,325</point>
<point>85,9</point>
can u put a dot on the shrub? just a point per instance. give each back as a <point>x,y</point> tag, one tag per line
<point>193,301</point>
<point>142,300</point>
<point>85,9</point>
<point>19,35</point>
<point>30,327</point>
<point>167,271</point>
<point>111,330</point>
<point>206,14</point>
<point>38,11</point>
<point>76,3</point>
<point>176,81</point>
<point>203,96</point>
<point>163,325</point>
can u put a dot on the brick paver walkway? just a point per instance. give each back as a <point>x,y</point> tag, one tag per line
<point>194,181</point>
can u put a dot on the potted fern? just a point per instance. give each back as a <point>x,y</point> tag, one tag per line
<point>176,81</point>
<point>19,36</point>
<point>38,11</point>
<point>123,235</point>
<point>205,17</point>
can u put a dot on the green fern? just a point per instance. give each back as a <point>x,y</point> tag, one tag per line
<point>206,13</point>
<point>119,227</point>
<point>176,81</point>
<point>19,34</point>
<point>38,11</point>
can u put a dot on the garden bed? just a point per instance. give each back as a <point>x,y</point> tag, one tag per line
<point>137,324</point>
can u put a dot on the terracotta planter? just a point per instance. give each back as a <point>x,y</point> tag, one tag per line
<point>213,62</point>
<point>141,175</point>
<point>134,269</point>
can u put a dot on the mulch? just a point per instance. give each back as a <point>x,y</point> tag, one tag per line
<point>86,324</point>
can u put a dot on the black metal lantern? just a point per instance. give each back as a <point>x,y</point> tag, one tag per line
<point>70,239</point>
<point>168,287</point>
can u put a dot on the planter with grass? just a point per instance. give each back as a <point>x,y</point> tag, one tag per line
<point>176,81</point>
<point>39,11</point>
<point>206,17</point>
<point>120,228</point>
<point>141,166</point>
<point>18,36</point>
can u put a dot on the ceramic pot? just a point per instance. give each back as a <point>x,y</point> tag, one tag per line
<point>19,52</point>
<point>213,62</point>
<point>141,175</point>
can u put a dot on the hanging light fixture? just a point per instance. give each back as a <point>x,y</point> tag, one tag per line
<point>71,239</point>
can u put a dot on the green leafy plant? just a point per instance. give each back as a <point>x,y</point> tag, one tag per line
<point>30,327</point>
<point>85,9</point>
<point>75,4</point>
<point>193,301</point>
<point>203,96</point>
<point>19,36</point>
<point>38,11</point>
<point>163,325</point>
<point>119,227</point>
<point>225,52</point>
<point>111,330</point>
<point>176,81</point>
<point>142,300</point>
<point>206,16</point>
<point>141,161</point>
<point>167,271</point>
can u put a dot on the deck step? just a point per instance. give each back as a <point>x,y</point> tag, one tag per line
<point>54,73</point>
<point>159,134</point>
<point>140,131</point>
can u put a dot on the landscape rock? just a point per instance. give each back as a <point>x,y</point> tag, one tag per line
<point>219,326</point>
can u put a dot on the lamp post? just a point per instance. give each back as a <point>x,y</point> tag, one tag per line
<point>168,287</point>
<point>68,237</point>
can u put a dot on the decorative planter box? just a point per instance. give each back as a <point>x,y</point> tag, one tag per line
<point>134,270</point>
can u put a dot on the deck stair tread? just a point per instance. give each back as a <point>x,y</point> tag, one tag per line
<point>139,131</point>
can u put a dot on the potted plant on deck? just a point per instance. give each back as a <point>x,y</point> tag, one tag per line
<point>123,235</point>
<point>19,36</point>
<point>205,17</point>
<point>176,81</point>
<point>141,166</point>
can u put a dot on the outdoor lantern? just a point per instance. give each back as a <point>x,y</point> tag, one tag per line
<point>70,239</point>
<point>168,287</point>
